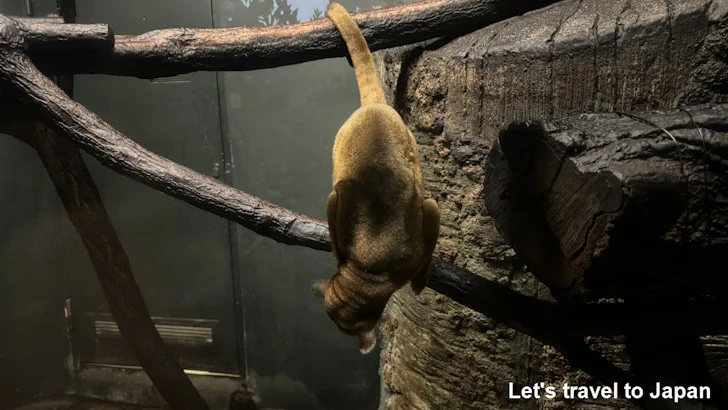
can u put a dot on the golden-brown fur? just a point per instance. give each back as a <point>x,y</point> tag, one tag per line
<point>382,229</point>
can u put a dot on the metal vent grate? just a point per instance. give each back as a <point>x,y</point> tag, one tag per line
<point>193,333</point>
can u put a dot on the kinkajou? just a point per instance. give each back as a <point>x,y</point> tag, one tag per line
<point>383,231</point>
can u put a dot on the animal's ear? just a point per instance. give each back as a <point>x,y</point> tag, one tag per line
<point>367,341</point>
<point>332,205</point>
<point>319,287</point>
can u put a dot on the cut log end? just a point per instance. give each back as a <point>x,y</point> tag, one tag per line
<point>612,203</point>
<point>543,205</point>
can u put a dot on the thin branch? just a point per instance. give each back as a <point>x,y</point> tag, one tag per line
<point>551,322</point>
<point>176,51</point>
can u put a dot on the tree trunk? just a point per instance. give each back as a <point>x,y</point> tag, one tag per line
<point>573,57</point>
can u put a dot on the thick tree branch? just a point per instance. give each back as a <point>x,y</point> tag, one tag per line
<point>47,35</point>
<point>175,51</point>
<point>34,20</point>
<point>580,356</point>
<point>88,215</point>
<point>551,322</point>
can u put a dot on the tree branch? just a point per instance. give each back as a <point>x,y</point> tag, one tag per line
<point>34,20</point>
<point>176,51</point>
<point>580,356</point>
<point>552,322</point>
<point>86,211</point>
<point>47,35</point>
<point>22,81</point>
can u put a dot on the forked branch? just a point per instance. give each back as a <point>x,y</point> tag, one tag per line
<point>88,131</point>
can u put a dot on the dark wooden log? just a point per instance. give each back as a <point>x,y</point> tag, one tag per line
<point>87,213</point>
<point>175,51</point>
<point>46,35</point>
<point>628,206</point>
<point>23,82</point>
<point>552,322</point>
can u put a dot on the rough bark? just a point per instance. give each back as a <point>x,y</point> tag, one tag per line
<point>572,57</point>
<point>33,20</point>
<point>554,323</point>
<point>46,35</point>
<point>175,51</point>
<point>633,207</point>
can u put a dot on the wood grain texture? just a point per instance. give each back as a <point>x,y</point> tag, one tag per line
<point>611,188</point>
<point>46,34</point>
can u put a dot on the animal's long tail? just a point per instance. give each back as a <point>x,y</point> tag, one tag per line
<point>370,89</point>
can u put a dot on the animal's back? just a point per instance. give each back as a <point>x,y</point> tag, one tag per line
<point>375,134</point>
<point>381,172</point>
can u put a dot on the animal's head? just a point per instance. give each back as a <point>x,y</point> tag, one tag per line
<point>344,307</point>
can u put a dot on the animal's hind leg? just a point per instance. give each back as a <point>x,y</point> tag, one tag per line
<point>430,233</point>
